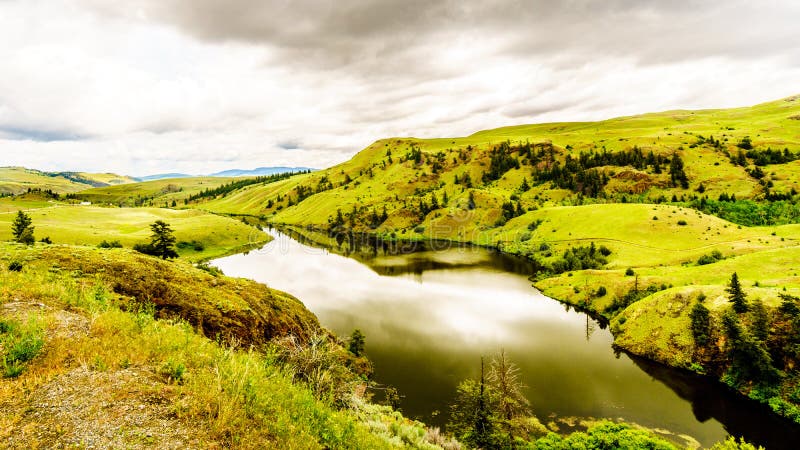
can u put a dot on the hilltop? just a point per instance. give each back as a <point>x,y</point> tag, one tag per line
<point>494,164</point>
<point>17,180</point>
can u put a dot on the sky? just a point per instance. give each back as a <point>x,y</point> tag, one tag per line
<point>198,86</point>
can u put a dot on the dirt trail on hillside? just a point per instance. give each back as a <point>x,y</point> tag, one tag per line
<point>87,408</point>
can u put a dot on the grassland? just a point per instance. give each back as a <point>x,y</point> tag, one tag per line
<point>151,193</point>
<point>89,225</point>
<point>24,202</point>
<point>16,180</point>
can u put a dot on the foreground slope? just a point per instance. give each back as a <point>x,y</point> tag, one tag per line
<point>109,348</point>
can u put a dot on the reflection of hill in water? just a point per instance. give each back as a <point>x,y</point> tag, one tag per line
<point>712,400</point>
<point>401,257</point>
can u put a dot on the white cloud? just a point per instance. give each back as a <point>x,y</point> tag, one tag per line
<point>199,87</point>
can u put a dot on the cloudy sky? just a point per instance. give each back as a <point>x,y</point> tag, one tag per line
<point>149,86</point>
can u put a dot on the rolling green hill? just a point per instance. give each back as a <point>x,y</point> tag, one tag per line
<point>16,180</point>
<point>636,219</point>
<point>151,193</point>
<point>397,171</point>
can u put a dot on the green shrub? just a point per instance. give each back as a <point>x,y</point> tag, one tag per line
<point>215,271</point>
<point>711,258</point>
<point>629,272</point>
<point>19,343</point>
<point>601,291</point>
<point>109,244</point>
<point>682,222</point>
<point>173,371</point>
<point>15,266</point>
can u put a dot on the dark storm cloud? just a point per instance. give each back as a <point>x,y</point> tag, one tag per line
<point>337,34</point>
<point>163,85</point>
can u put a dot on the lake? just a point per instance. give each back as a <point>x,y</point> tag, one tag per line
<point>430,315</point>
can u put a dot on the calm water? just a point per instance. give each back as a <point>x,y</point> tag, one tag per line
<point>429,316</point>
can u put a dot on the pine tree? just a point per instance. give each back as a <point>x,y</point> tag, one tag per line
<point>357,343</point>
<point>737,295</point>
<point>22,228</point>
<point>676,172</point>
<point>701,325</point>
<point>162,240</point>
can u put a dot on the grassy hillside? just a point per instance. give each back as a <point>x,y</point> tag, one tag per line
<point>200,235</point>
<point>16,180</point>
<point>389,172</point>
<point>655,209</point>
<point>86,363</point>
<point>151,193</point>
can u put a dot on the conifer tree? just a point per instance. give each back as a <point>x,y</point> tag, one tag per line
<point>736,295</point>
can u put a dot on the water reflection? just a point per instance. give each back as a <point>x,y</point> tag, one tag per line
<point>429,323</point>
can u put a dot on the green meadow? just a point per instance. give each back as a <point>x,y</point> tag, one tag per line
<point>89,225</point>
<point>151,193</point>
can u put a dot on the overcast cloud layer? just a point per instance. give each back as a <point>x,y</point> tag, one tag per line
<point>197,86</point>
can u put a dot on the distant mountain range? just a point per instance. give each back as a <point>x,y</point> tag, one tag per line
<point>260,171</point>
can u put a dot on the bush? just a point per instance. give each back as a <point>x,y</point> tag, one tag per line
<point>173,371</point>
<point>629,272</point>
<point>601,291</point>
<point>15,266</point>
<point>19,343</point>
<point>605,251</point>
<point>46,240</point>
<point>682,222</point>
<point>711,258</point>
<point>147,249</point>
<point>109,244</point>
<point>534,225</point>
<point>194,245</point>
<point>215,271</point>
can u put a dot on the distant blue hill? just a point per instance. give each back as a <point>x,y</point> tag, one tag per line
<point>162,176</point>
<point>260,171</point>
